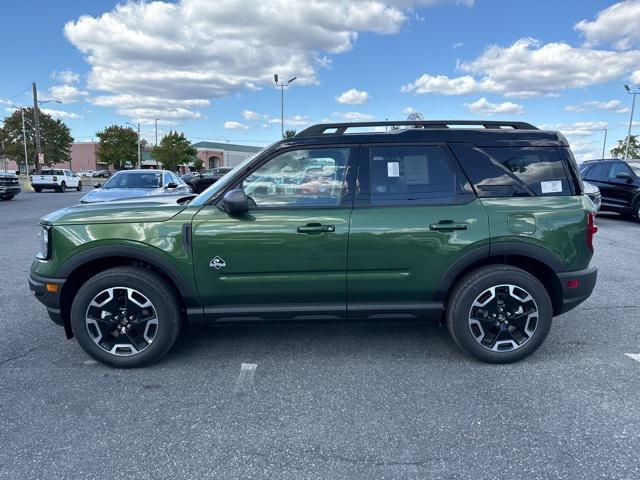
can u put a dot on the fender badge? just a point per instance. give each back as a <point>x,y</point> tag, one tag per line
<point>217,263</point>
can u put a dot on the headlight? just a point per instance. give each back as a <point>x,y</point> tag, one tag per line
<point>44,243</point>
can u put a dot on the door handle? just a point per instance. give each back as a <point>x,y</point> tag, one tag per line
<point>316,228</point>
<point>445,225</point>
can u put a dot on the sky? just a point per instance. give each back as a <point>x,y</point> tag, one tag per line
<point>206,68</point>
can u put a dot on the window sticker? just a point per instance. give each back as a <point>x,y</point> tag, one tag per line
<point>393,169</point>
<point>553,186</point>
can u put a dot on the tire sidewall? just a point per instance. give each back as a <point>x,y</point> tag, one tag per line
<point>163,301</point>
<point>458,314</point>
<point>79,186</point>
<point>63,187</point>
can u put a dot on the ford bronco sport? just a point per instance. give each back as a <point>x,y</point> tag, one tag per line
<point>483,227</point>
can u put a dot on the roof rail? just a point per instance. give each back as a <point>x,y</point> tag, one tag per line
<point>341,128</point>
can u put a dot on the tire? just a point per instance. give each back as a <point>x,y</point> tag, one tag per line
<point>100,338</point>
<point>37,189</point>
<point>8,197</point>
<point>79,187</point>
<point>474,334</point>
<point>62,188</point>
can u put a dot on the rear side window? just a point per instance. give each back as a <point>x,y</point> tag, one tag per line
<point>412,174</point>
<point>515,171</point>
<point>597,172</point>
<point>51,172</point>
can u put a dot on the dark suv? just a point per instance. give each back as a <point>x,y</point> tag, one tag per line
<point>9,185</point>
<point>485,229</point>
<point>619,184</point>
<point>201,181</point>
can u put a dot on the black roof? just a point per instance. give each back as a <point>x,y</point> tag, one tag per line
<point>489,133</point>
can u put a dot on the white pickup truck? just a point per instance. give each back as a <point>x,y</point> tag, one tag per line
<point>56,179</point>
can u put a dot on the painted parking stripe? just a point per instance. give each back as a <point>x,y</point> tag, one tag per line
<point>635,356</point>
<point>245,378</point>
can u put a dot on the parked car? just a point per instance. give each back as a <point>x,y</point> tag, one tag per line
<point>200,182</point>
<point>102,173</point>
<point>486,230</point>
<point>9,186</point>
<point>86,173</point>
<point>137,183</point>
<point>593,193</point>
<point>55,179</point>
<point>618,182</point>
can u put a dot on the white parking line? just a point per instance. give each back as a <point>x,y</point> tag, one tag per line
<point>635,356</point>
<point>245,379</point>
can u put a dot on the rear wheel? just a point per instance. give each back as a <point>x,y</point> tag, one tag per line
<point>8,197</point>
<point>37,189</point>
<point>62,188</point>
<point>499,314</point>
<point>126,317</point>
<point>79,187</point>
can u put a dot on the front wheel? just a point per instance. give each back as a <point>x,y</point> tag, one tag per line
<point>79,187</point>
<point>37,189</point>
<point>126,317</point>
<point>62,188</point>
<point>499,314</point>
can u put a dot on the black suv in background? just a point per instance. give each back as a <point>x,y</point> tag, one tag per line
<point>619,184</point>
<point>204,180</point>
<point>9,186</point>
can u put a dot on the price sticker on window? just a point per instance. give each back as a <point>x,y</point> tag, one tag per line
<point>393,169</point>
<point>554,186</point>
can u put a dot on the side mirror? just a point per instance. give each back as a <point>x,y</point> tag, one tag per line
<point>235,201</point>
<point>172,185</point>
<point>97,185</point>
<point>623,176</point>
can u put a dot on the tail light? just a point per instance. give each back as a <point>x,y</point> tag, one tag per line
<point>591,229</point>
<point>55,179</point>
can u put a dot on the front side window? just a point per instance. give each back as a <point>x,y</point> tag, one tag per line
<point>635,166</point>
<point>617,168</point>
<point>308,177</point>
<point>405,175</point>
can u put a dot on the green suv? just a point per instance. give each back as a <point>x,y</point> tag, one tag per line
<point>483,227</point>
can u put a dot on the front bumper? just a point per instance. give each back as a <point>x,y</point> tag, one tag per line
<point>12,190</point>
<point>49,299</point>
<point>46,185</point>
<point>576,287</point>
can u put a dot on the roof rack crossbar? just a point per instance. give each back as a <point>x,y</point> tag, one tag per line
<point>341,128</point>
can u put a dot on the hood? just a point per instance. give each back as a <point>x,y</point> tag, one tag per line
<point>108,194</point>
<point>8,175</point>
<point>115,212</point>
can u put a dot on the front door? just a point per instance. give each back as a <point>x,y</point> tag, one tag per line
<point>413,218</point>
<point>287,257</point>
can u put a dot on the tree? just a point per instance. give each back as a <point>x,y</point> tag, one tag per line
<point>634,148</point>
<point>55,136</point>
<point>174,150</point>
<point>289,133</point>
<point>197,164</point>
<point>118,145</point>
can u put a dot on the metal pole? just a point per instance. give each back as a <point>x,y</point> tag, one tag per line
<point>282,109</point>
<point>633,104</point>
<point>156,132</point>
<point>24,140</point>
<point>604,143</point>
<point>139,145</point>
<point>36,124</point>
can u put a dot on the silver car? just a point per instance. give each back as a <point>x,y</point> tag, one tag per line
<point>136,184</point>
<point>593,193</point>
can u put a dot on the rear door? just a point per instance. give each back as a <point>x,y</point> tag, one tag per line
<point>597,175</point>
<point>414,216</point>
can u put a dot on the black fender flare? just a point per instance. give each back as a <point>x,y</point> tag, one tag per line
<point>496,249</point>
<point>133,253</point>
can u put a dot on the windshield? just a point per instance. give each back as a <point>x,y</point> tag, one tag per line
<point>224,181</point>
<point>134,180</point>
<point>635,166</point>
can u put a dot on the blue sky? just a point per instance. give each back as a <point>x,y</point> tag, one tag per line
<point>206,68</point>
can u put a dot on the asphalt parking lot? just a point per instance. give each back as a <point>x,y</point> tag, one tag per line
<point>327,401</point>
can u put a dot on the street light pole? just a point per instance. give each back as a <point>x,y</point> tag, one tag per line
<point>282,85</point>
<point>138,128</point>
<point>604,143</point>
<point>24,138</point>
<point>633,104</point>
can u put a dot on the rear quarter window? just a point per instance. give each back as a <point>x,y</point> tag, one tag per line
<point>515,171</point>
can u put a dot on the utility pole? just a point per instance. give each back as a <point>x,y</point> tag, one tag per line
<point>138,127</point>
<point>36,125</point>
<point>633,104</point>
<point>282,85</point>
<point>604,143</point>
<point>156,132</point>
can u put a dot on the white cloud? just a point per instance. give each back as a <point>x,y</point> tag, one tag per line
<point>61,114</point>
<point>617,25</point>
<point>201,50</point>
<point>612,105</point>
<point>65,76</point>
<point>353,116</point>
<point>528,68</point>
<point>67,93</point>
<point>251,116</point>
<point>232,125</point>
<point>293,121</point>
<point>353,97</point>
<point>635,77</point>
<point>485,107</point>
<point>577,129</point>
<point>458,45</point>
<point>408,110</point>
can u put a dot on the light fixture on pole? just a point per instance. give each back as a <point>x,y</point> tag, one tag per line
<point>138,127</point>
<point>604,143</point>
<point>633,104</point>
<point>282,85</point>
